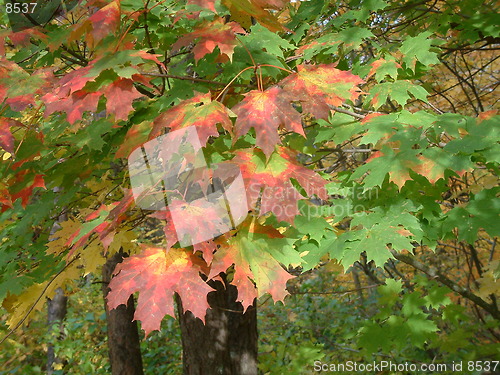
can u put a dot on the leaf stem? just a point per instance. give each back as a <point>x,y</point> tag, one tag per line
<point>229,84</point>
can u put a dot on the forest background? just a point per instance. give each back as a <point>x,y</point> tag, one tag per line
<point>370,129</point>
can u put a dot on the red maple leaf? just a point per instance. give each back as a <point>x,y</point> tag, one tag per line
<point>74,105</point>
<point>206,248</point>
<point>212,34</point>
<point>266,112</point>
<point>119,97</point>
<point>105,20</point>
<point>101,24</point>
<point>318,86</point>
<point>29,183</point>
<point>199,111</point>
<point>6,138</point>
<point>157,274</point>
<point>136,136</point>
<point>70,83</point>
<point>271,179</point>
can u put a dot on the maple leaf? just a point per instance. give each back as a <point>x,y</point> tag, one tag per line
<point>199,111</point>
<point>119,97</point>
<point>136,136</point>
<point>104,221</point>
<point>273,178</point>
<point>266,111</point>
<point>418,48</point>
<point>70,83</point>
<point>29,182</point>
<point>6,138</point>
<point>271,4</point>
<point>211,220</point>
<point>400,164</point>
<point>207,4</point>
<point>318,86</point>
<point>5,198</point>
<point>381,229</point>
<point>105,20</point>
<point>157,274</point>
<point>382,68</point>
<point>244,10</point>
<point>256,252</point>
<point>398,91</point>
<point>18,87</point>
<point>212,34</point>
<point>74,105</point>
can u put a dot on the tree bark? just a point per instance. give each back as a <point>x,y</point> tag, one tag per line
<point>123,336</point>
<point>227,343</point>
<point>57,307</point>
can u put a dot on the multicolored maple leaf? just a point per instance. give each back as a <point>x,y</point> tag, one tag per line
<point>244,10</point>
<point>271,181</point>
<point>157,274</point>
<point>266,112</point>
<point>210,35</point>
<point>199,111</point>
<point>104,221</point>
<point>256,252</point>
<point>29,181</point>
<point>102,23</point>
<point>318,86</point>
<point>69,95</point>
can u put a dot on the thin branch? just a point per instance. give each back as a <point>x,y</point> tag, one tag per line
<point>346,112</point>
<point>186,78</point>
<point>410,260</point>
<point>343,292</point>
<point>37,300</point>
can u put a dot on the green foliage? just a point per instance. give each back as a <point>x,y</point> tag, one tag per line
<point>363,130</point>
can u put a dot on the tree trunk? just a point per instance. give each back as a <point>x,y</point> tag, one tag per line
<point>227,343</point>
<point>57,307</point>
<point>123,336</point>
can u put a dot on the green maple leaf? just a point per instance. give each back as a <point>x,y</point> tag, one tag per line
<point>339,128</point>
<point>394,226</point>
<point>261,38</point>
<point>418,49</point>
<point>384,67</point>
<point>398,91</point>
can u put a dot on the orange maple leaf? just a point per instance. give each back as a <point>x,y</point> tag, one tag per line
<point>318,86</point>
<point>157,274</point>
